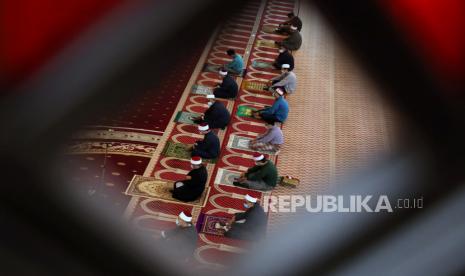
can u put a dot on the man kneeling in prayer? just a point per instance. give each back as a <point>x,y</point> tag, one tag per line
<point>216,116</point>
<point>192,187</point>
<point>278,112</point>
<point>262,176</point>
<point>181,241</point>
<point>271,140</point>
<point>209,147</point>
<point>249,225</point>
<point>228,88</point>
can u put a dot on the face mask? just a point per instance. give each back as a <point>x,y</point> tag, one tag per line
<point>177,222</point>
<point>281,50</point>
<point>209,103</point>
<point>246,206</point>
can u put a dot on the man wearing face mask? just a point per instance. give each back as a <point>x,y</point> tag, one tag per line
<point>181,241</point>
<point>277,112</point>
<point>263,176</point>
<point>216,116</point>
<point>286,81</point>
<point>284,57</point>
<point>249,225</point>
<point>228,88</point>
<point>209,147</point>
<point>192,187</point>
<point>271,140</point>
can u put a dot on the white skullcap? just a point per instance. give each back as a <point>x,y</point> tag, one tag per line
<point>250,199</point>
<point>210,96</point>
<point>279,91</point>
<point>196,160</point>
<point>285,66</point>
<point>184,217</point>
<point>258,156</point>
<point>203,127</point>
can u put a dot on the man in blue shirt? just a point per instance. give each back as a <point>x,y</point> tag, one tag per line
<point>209,147</point>
<point>277,112</point>
<point>236,65</point>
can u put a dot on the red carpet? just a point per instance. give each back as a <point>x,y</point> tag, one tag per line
<point>135,134</point>
<point>154,216</point>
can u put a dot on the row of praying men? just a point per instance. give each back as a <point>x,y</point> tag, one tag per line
<point>263,175</point>
<point>181,241</point>
<point>251,224</point>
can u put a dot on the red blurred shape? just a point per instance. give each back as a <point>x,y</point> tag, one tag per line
<point>436,28</point>
<point>33,31</point>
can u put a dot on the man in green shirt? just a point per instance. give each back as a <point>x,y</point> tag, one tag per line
<point>262,176</point>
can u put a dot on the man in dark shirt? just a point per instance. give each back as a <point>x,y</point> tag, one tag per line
<point>293,42</point>
<point>192,187</point>
<point>228,88</point>
<point>181,241</point>
<point>293,20</point>
<point>284,57</point>
<point>209,147</point>
<point>249,225</point>
<point>216,116</point>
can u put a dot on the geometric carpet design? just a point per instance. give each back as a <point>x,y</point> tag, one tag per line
<point>242,32</point>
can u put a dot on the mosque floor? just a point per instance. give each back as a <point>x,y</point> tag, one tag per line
<point>336,123</point>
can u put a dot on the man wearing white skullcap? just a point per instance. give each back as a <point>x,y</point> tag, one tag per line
<point>249,225</point>
<point>209,147</point>
<point>216,116</point>
<point>263,176</point>
<point>228,88</point>
<point>278,112</point>
<point>286,81</point>
<point>192,187</point>
<point>181,241</point>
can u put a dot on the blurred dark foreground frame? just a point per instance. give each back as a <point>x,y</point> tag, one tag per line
<point>43,234</point>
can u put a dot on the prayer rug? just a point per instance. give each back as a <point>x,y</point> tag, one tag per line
<point>180,151</point>
<point>185,117</point>
<point>226,177</point>
<point>206,224</point>
<point>242,143</point>
<point>214,68</point>
<point>288,181</point>
<point>245,111</point>
<point>269,29</point>
<point>152,187</point>
<point>262,65</point>
<point>201,89</point>
<point>266,43</point>
<point>253,85</point>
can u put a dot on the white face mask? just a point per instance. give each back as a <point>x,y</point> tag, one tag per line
<point>246,206</point>
<point>281,50</point>
<point>209,103</point>
<point>177,222</point>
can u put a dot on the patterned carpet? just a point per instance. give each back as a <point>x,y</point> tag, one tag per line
<point>241,33</point>
<point>335,124</point>
<point>106,153</point>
